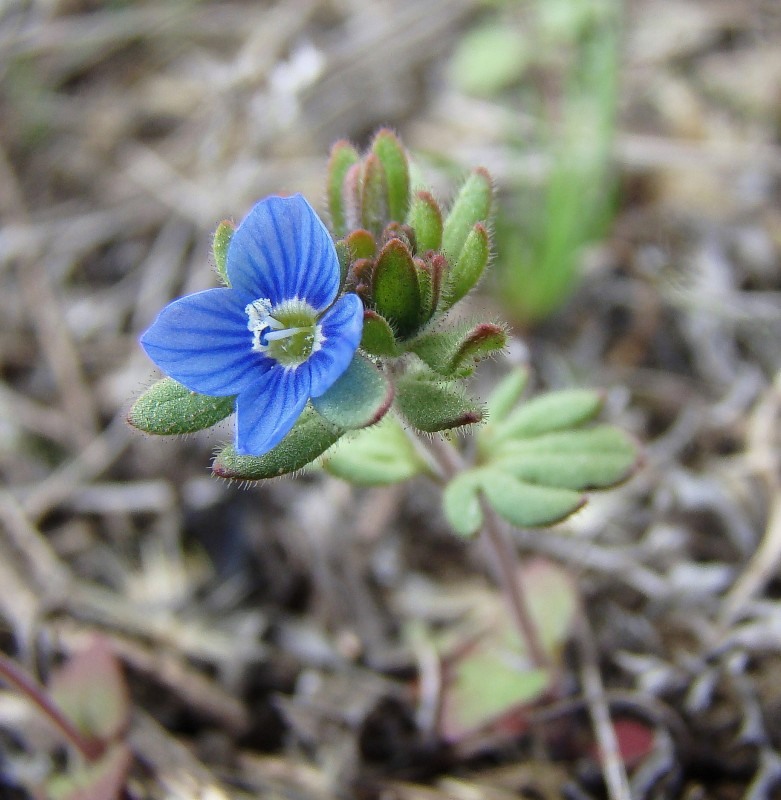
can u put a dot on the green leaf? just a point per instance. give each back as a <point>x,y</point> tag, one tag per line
<point>360,396</point>
<point>432,407</point>
<point>343,156</point>
<point>472,205</point>
<point>469,268</point>
<point>91,691</point>
<point>526,505</point>
<point>490,58</point>
<point>549,412</point>
<point>553,602</point>
<point>310,437</point>
<point>461,503</point>
<point>488,677</point>
<point>454,352</point>
<point>345,262</point>
<point>377,456</point>
<point>220,243</point>
<point>393,157</point>
<point>374,195</point>
<point>584,458</point>
<point>395,288</point>
<point>505,395</point>
<point>362,244</point>
<point>168,408</point>
<point>378,338</point>
<point>431,272</point>
<point>425,218</point>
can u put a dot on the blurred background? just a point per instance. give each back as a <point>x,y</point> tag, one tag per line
<point>636,150</point>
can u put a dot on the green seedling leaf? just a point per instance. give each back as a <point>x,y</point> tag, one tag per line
<point>425,217</point>
<point>343,156</point>
<point>461,503</point>
<point>220,242</point>
<point>309,438</point>
<point>377,456</point>
<point>168,408</point>
<point>395,288</point>
<point>362,244</point>
<point>505,395</point>
<point>393,157</point>
<point>553,602</point>
<point>490,58</point>
<point>489,681</point>
<point>453,353</point>
<point>101,780</point>
<point>469,268</point>
<point>374,195</point>
<point>554,411</point>
<point>527,505</point>
<point>378,338</point>
<point>584,458</point>
<point>360,397</point>
<point>472,205</point>
<point>91,691</point>
<point>432,407</point>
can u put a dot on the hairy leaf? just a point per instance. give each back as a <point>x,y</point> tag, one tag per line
<point>360,397</point>
<point>168,408</point>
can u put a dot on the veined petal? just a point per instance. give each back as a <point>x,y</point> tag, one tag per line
<point>202,341</point>
<point>268,409</point>
<point>341,327</point>
<point>283,251</point>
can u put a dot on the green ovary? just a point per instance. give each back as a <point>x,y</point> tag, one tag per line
<point>288,333</point>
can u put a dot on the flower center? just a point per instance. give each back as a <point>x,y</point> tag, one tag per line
<point>288,332</point>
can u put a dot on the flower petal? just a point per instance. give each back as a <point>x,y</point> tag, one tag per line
<point>268,409</point>
<point>341,327</point>
<point>283,251</point>
<point>202,341</point>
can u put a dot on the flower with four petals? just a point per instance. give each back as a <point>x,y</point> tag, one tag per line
<point>277,336</point>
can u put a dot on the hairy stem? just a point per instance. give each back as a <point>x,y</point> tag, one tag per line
<point>504,557</point>
<point>10,672</point>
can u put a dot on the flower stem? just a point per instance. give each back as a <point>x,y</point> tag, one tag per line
<point>506,568</point>
<point>504,556</point>
<point>10,672</point>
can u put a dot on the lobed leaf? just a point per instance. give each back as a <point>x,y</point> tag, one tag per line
<point>549,412</point>
<point>377,456</point>
<point>461,503</point>
<point>505,395</point>
<point>360,396</point>
<point>167,408</point>
<point>309,438</point>
<point>586,458</point>
<point>527,505</point>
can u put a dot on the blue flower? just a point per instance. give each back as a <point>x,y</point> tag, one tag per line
<point>276,337</point>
